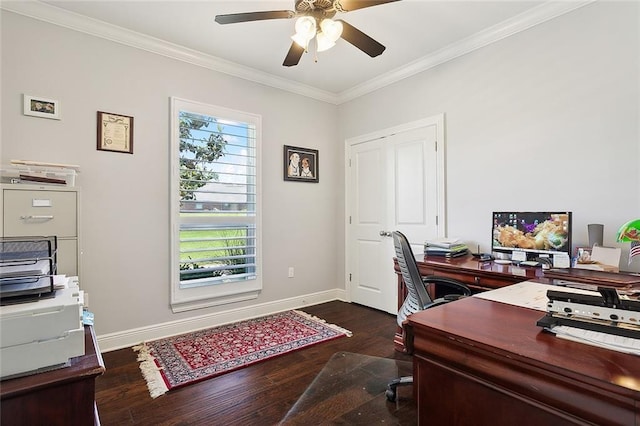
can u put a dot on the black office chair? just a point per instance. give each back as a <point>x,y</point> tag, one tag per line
<point>418,298</point>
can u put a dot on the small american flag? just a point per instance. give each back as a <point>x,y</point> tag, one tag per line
<point>635,250</point>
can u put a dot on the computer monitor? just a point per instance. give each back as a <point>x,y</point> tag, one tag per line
<point>536,233</point>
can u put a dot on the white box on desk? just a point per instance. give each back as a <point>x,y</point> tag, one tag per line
<point>33,356</point>
<point>43,319</point>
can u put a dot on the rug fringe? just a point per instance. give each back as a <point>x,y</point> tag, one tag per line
<point>150,371</point>
<point>333,326</point>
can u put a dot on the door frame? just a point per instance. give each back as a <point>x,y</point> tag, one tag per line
<point>439,121</point>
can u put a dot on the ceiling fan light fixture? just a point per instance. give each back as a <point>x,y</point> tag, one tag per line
<point>314,19</point>
<point>306,27</point>
<point>323,42</point>
<point>305,31</point>
<point>331,29</point>
<point>301,40</point>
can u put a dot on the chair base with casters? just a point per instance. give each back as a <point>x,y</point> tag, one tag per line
<point>418,298</point>
<point>392,391</point>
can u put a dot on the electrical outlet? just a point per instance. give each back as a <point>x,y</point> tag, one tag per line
<point>290,271</point>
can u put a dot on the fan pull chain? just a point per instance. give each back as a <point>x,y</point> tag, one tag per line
<point>315,52</point>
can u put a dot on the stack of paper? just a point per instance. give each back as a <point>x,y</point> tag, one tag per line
<point>604,340</point>
<point>445,247</point>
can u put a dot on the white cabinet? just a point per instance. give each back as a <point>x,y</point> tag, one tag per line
<point>45,210</point>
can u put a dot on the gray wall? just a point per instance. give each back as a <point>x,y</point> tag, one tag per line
<point>545,119</point>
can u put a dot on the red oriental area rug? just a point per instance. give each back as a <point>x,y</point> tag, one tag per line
<point>189,358</point>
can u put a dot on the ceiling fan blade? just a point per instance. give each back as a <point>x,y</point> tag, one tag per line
<point>349,5</point>
<point>361,40</point>
<point>233,18</point>
<point>294,55</point>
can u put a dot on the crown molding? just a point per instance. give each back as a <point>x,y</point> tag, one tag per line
<point>54,15</point>
<point>502,30</point>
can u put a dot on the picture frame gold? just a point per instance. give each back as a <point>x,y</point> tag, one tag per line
<point>115,132</point>
<point>301,164</point>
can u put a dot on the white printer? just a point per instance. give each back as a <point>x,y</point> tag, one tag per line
<point>41,334</point>
<point>40,322</point>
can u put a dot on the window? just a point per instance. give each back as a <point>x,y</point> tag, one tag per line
<point>215,205</point>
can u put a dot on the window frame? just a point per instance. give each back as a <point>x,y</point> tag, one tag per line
<point>196,297</point>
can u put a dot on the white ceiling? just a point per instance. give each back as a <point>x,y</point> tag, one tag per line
<point>417,34</point>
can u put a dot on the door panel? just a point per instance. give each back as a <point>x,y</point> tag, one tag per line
<point>392,185</point>
<point>409,185</point>
<point>368,216</point>
<point>415,202</point>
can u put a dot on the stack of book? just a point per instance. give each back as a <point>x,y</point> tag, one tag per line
<point>445,247</point>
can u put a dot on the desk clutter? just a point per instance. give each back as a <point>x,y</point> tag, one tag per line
<point>588,313</point>
<point>604,318</point>
<point>445,247</point>
<point>599,259</point>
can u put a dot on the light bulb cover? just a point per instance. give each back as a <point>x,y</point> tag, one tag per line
<point>300,41</point>
<point>331,29</point>
<point>306,27</point>
<point>323,42</point>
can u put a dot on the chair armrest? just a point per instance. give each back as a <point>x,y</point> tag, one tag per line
<point>447,282</point>
<point>452,297</point>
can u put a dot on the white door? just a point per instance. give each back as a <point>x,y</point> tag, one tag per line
<point>394,182</point>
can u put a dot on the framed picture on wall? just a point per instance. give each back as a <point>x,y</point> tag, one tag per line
<point>300,164</point>
<point>38,106</point>
<point>115,132</point>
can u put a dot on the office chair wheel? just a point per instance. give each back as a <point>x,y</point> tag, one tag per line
<point>390,394</point>
<point>392,386</point>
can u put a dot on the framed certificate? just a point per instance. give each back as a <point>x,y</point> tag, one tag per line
<point>115,132</point>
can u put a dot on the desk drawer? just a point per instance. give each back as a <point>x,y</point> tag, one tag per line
<point>478,282</point>
<point>40,213</point>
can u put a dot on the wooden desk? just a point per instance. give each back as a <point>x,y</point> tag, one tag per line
<point>480,362</point>
<point>483,276</point>
<point>478,276</point>
<point>612,279</point>
<point>65,396</point>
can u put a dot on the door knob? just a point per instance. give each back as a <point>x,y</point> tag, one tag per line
<point>385,233</point>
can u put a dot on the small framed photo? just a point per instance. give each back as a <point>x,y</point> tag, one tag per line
<point>583,255</point>
<point>300,164</point>
<point>41,107</point>
<point>115,132</point>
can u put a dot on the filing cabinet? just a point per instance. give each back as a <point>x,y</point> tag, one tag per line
<point>45,210</point>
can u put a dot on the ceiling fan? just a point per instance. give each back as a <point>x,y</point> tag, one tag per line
<point>314,21</point>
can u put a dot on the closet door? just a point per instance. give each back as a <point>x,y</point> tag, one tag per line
<point>393,184</point>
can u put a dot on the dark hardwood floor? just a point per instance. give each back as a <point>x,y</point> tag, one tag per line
<point>261,394</point>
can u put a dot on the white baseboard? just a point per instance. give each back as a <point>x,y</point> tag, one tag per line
<point>127,338</point>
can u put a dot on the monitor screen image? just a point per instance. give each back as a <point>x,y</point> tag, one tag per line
<point>533,232</point>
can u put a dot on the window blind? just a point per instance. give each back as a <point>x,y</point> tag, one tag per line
<point>217,200</point>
